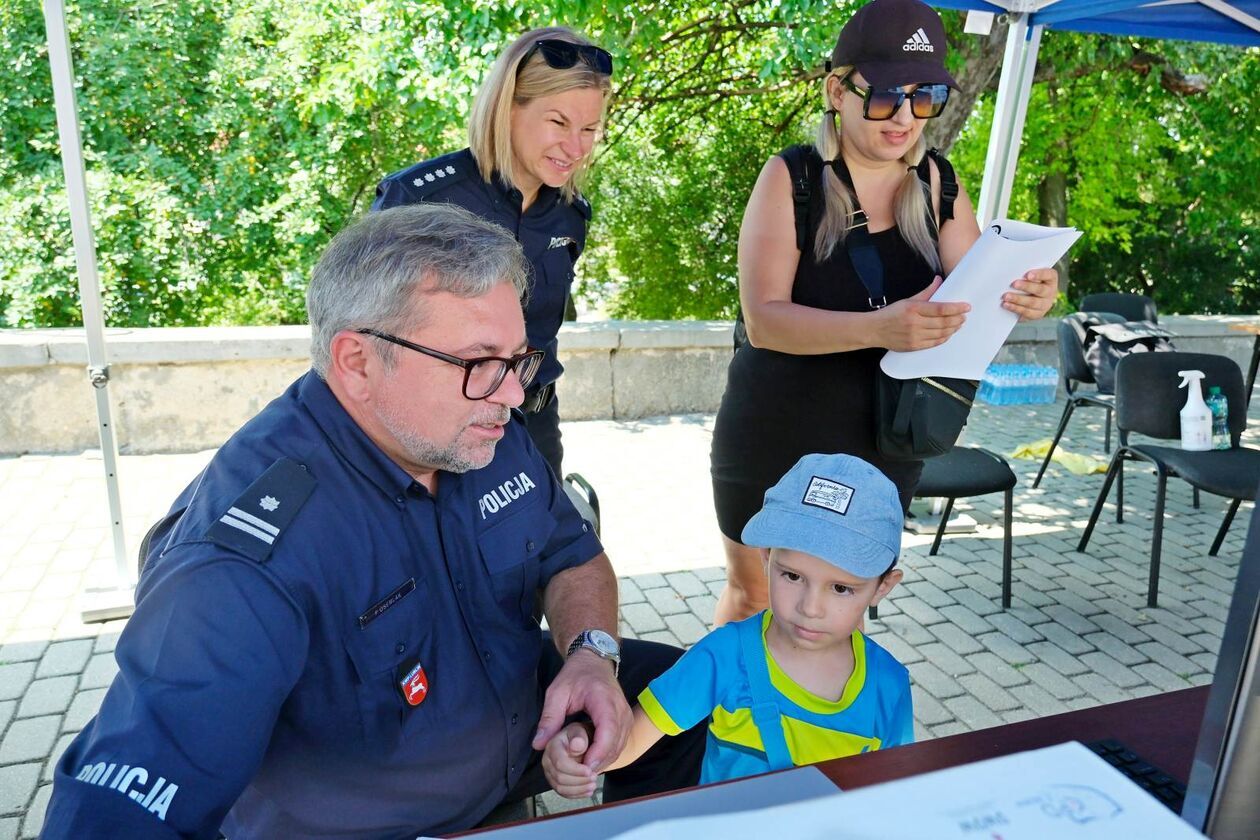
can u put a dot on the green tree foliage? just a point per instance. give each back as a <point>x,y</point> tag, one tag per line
<point>1159,177</point>
<point>225,145</point>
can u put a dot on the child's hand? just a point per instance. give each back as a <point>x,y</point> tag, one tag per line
<point>562,763</point>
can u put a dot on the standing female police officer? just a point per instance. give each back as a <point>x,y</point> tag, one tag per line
<point>806,381</point>
<point>534,124</point>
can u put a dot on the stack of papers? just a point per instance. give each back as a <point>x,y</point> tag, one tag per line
<point>1005,251</point>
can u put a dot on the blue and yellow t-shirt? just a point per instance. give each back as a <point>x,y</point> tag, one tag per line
<point>710,680</point>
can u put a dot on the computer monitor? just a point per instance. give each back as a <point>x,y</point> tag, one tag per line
<point>1223,794</point>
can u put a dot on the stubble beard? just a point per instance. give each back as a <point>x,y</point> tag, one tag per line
<point>453,457</point>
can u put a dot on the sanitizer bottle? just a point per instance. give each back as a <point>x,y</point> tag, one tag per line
<point>1196,418</point>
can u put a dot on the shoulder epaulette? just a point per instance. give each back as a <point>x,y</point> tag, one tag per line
<point>583,206</point>
<point>258,518</point>
<point>434,175</point>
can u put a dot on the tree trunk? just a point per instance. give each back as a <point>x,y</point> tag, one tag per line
<point>1052,211</point>
<point>979,74</point>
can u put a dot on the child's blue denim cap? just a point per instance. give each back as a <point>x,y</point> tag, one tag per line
<point>836,507</point>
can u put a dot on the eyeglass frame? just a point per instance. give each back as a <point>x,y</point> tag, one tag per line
<point>597,58</point>
<point>510,363</point>
<point>902,97</point>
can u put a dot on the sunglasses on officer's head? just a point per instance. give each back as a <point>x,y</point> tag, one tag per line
<point>926,101</point>
<point>561,55</point>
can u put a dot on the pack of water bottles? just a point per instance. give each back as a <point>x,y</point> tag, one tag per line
<point>1019,384</point>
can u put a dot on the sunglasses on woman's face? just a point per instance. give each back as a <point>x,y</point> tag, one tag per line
<point>926,101</point>
<point>561,55</point>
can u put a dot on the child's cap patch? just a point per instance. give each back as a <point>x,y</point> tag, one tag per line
<point>828,494</point>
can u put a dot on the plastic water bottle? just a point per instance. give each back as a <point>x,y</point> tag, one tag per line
<point>1219,406</point>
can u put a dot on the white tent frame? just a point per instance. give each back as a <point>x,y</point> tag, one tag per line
<point>116,602</point>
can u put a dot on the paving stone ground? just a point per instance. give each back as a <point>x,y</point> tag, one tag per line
<point>1078,633</point>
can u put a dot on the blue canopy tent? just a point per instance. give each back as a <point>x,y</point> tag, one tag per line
<point>1221,21</point>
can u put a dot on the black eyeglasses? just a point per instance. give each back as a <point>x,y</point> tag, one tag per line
<point>482,375</point>
<point>561,55</point>
<point>926,101</point>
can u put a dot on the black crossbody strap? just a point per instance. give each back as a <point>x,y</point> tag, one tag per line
<point>860,247</point>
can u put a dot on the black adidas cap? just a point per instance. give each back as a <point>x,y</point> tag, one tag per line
<point>894,43</point>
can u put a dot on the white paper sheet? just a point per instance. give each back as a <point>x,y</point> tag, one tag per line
<point>1005,251</point>
<point>754,793</point>
<point>1064,792</point>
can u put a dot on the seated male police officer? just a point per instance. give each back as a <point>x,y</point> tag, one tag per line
<point>334,632</point>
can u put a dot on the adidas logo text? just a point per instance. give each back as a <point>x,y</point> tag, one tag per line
<point>918,42</point>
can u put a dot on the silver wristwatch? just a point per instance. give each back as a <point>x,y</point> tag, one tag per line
<point>601,644</point>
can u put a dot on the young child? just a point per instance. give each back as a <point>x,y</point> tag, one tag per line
<point>798,683</point>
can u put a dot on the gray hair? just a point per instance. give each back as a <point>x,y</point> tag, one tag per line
<point>371,271</point>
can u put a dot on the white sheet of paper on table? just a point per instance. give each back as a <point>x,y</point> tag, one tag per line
<point>1005,251</point>
<point>1064,792</point>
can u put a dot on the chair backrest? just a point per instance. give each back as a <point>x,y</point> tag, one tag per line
<point>1133,307</point>
<point>1072,366</point>
<point>1073,335</point>
<point>1149,401</point>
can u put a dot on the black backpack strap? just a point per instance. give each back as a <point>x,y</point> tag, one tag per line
<point>949,186</point>
<point>800,162</point>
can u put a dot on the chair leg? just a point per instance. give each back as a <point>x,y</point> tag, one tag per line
<point>1229,519</point>
<point>1102,498</point>
<point>1006,550</point>
<point>1063,421</point>
<point>1120,492</point>
<point>1196,498</point>
<point>1157,538</point>
<point>1107,435</point>
<point>940,529</point>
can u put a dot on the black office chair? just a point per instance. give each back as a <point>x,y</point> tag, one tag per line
<point>1133,307</point>
<point>1148,401</point>
<point>967,471</point>
<point>1075,372</point>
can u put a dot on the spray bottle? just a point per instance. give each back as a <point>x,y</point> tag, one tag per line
<point>1196,418</point>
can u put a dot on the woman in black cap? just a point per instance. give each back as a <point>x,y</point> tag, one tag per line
<point>805,380</point>
<point>534,125</point>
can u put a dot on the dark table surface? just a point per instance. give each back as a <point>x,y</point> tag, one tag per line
<point>1163,729</point>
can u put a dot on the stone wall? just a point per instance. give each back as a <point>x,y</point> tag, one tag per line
<point>188,389</point>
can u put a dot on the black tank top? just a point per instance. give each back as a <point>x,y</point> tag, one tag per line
<point>779,406</point>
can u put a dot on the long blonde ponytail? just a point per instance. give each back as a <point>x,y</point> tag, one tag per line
<point>909,204</point>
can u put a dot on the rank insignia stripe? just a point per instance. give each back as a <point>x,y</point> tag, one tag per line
<point>253,523</point>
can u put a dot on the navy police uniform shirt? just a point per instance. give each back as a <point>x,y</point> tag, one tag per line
<point>321,647</point>
<point>552,233</point>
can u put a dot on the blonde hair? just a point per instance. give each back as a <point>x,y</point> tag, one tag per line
<point>910,206</point>
<point>509,84</point>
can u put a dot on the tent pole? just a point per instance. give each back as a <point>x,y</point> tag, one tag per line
<point>1019,62</point>
<point>1023,92</point>
<point>113,603</point>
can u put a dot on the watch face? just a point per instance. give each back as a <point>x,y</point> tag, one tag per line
<point>606,643</point>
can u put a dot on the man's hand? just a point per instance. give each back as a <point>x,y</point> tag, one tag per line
<point>917,323</point>
<point>1040,287</point>
<point>586,683</point>
<point>562,763</point>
